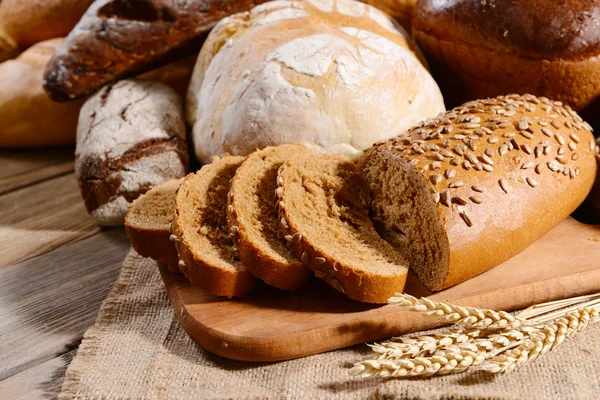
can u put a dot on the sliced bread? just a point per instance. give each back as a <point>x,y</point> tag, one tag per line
<point>200,232</point>
<point>324,206</point>
<point>148,223</point>
<point>254,223</point>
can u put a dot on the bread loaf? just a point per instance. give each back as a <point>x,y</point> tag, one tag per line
<point>480,48</point>
<point>28,118</point>
<point>204,245</point>
<point>324,208</point>
<point>24,23</point>
<point>464,192</point>
<point>401,10</point>
<point>130,137</point>
<point>148,224</point>
<point>333,75</point>
<point>121,38</point>
<point>254,221</point>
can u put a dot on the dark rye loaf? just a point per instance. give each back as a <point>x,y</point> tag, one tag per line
<point>254,223</point>
<point>324,208</point>
<point>205,248</point>
<point>121,38</point>
<point>464,192</point>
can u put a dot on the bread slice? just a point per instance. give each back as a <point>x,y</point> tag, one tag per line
<point>324,206</point>
<point>148,224</point>
<point>253,219</point>
<point>201,236</point>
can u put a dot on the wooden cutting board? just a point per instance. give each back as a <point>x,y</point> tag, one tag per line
<point>271,325</point>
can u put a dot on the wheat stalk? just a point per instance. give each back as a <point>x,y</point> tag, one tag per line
<point>493,341</point>
<point>459,315</point>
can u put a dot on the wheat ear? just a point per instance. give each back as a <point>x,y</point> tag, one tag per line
<point>459,315</point>
<point>549,337</point>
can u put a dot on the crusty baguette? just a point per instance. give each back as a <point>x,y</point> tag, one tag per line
<point>148,224</point>
<point>205,248</point>
<point>130,137</point>
<point>28,117</point>
<point>26,22</point>
<point>468,190</point>
<point>324,208</point>
<point>116,39</point>
<point>254,223</point>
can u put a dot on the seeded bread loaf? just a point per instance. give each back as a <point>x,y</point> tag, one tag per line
<point>200,233</point>
<point>130,137</point>
<point>333,75</point>
<point>24,23</point>
<point>254,222</point>
<point>121,38</point>
<point>148,224</point>
<point>464,192</point>
<point>479,49</point>
<point>324,207</point>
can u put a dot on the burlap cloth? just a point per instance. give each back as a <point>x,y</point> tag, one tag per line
<point>137,350</point>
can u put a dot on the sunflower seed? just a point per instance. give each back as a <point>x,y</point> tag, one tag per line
<point>436,178</point>
<point>503,149</point>
<point>478,188</point>
<point>538,169</point>
<point>472,158</point>
<point>547,132</point>
<point>559,138</point>
<point>493,140</point>
<point>305,258</point>
<point>173,238</point>
<point>527,165</point>
<point>574,137</point>
<point>476,199</point>
<point>284,223</point>
<point>562,159</point>
<point>466,218</point>
<point>503,185</point>
<point>467,165</point>
<point>526,148</point>
<point>450,173</point>
<point>297,237</point>
<point>574,156</point>
<point>555,124</point>
<point>522,124</point>
<point>279,191</point>
<point>445,198</point>
<point>455,184</point>
<point>572,146</point>
<point>288,238</point>
<point>531,182</point>
<point>486,159</point>
<point>436,197</point>
<point>459,200</point>
<point>487,167</point>
<point>320,260</point>
<point>509,135</point>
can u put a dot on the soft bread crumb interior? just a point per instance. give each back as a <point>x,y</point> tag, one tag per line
<point>154,209</point>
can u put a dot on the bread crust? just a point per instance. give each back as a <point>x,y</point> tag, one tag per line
<point>401,10</point>
<point>501,173</point>
<point>120,38</point>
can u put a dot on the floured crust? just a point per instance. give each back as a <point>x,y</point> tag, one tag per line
<point>199,226</point>
<point>149,228</point>
<point>501,172</point>
<point>333,75</point>
<point>254,224</point>
<point>130,137</point>
<point>313,190</point>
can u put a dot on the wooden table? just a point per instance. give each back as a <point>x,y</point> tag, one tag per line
<point>56,268</point>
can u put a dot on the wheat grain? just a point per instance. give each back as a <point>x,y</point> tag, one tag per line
<point>459,315</point>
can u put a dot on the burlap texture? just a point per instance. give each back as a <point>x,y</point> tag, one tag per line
<point>137,350</point>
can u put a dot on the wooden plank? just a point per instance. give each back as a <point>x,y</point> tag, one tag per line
<point>44,381</point>
<point>42,217</point>
<point>563,263</point>
<point>20,168</point>
<point>48,302</point>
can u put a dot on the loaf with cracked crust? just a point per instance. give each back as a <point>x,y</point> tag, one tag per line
<point>130,137</point>
<point>464,192</point>
<point>200,233</point>
<point>254,222</point>
<point>121,38</point>
<point>324,207</point>
<point>148,224</point>
<point>333,75</point>
<point>478,49</point>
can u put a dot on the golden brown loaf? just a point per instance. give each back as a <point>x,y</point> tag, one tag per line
<point>28,118</point>
<point>401,10</point>
<point>204,245</point>
<point>148,224</point>
<point>254,222</point>
<point>464,192</point>
<point>26,22</point>
<point>333,75</point>
<point>324,208</point>
<point>480,48</point>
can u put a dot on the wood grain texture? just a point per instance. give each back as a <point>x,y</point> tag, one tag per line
<point>42,381</point>
<point>20,168</point>
<point>563,263</point>
<point>48,302</point>
<point>42,217</point>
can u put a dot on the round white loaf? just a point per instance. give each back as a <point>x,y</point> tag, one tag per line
<point>333,75</point>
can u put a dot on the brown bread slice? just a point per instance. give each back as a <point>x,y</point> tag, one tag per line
<point>201,236</point>
<point>470,189</point>
<point>148,224</point>
<point>324,206</point>
<point>253,219</point>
